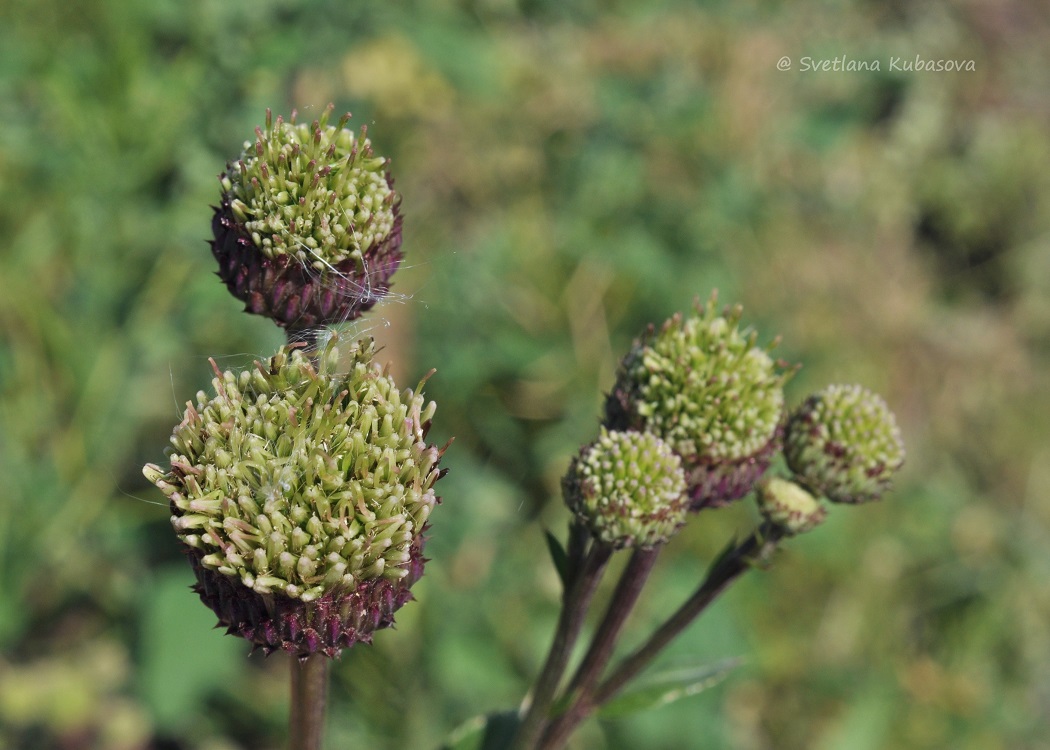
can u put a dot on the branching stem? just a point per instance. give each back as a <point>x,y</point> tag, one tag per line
<point>755,548</point>
<point>583,580</point>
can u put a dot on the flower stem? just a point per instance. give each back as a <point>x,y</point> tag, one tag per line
<point>738,560</point>
<point>584,579</point>
<point>622,603</point>
<point>741,559</point>
<point>309,698</point>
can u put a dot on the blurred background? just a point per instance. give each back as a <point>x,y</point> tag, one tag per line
<point>570,172</point>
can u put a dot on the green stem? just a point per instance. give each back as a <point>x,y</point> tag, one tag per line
<point>577,596</point>
<point>756,547</point>
<point>309,698</point>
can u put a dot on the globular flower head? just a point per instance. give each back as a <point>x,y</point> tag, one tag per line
<point>308,229</point>
<point>788,506</point>
<point>301,496</point>
<point>628,488</point>
<point>702,385</point>
<point>844,443</point>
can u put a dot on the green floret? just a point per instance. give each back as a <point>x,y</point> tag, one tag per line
<point>628,488</point>
<point>315,192</point>
<point>702,385</point>
<point>844,443</point>
<point>298,480</point>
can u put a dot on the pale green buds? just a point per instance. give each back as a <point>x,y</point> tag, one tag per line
<point>628,488</point>
<point>704,387</point>
<point>788,506</point>
<point>316,192</point>
<point>295,483</point>
<point>308,230</point>
<point>844,443</point>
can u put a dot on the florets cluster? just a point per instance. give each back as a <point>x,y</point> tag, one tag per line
<point>316,192</point>
<point>628,488</point>
<point>844,443</point>
<point>703,386</point>
<point>294,483</point>
<point>308,231</point>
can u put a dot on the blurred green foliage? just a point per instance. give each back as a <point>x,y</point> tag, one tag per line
<point>571,172</point>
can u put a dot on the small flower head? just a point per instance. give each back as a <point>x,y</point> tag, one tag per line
<point>844,443</point>
<point>788,506</point>
<point>308,230</point>
<point>703,386</point>
<point>628,488</point>
<point>302,495</point>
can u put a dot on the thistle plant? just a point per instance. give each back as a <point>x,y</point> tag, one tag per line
<point>702,389</point>
<point>301,488</point>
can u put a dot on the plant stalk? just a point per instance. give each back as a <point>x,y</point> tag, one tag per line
<point>309,699</point>
<point>577,596</point>
<point>622,603</point>
<point>756,547</point>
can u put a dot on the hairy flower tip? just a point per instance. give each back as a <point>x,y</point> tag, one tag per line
<point>302,495</point>
<point>628,488</point>
<point>702,385</point>
<point>788,506</point>
<point>844,443</point>
<point>308,229</point>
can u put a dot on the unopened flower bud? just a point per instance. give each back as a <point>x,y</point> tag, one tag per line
<point>308,230</point>
<point>844,443</point>
<point>304,524</point>
<point>703,386</point>
<point>788,506</point>
<point>628,488</point>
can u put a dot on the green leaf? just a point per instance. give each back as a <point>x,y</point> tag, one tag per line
<point>668,687</point>
<point>558,557</point>
<point>490,732</point>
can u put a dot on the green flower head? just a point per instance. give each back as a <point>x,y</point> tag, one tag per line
<point>628,488</point>
<point>308,231</point>
<point>844,443</point>
<point>302,495</point>
<point>788,506</point>
<point>702,385</point>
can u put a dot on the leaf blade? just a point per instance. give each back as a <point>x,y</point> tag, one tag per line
<point>492,731</point>
<point>559,557</point>
<point>667,687</point>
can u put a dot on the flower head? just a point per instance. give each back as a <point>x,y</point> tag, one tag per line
<point>702,385</point>
<point>628,488</point>
<point>302,495</point>
<point>788,506</point>
<point>308,230</point>
<point>844,443</point>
